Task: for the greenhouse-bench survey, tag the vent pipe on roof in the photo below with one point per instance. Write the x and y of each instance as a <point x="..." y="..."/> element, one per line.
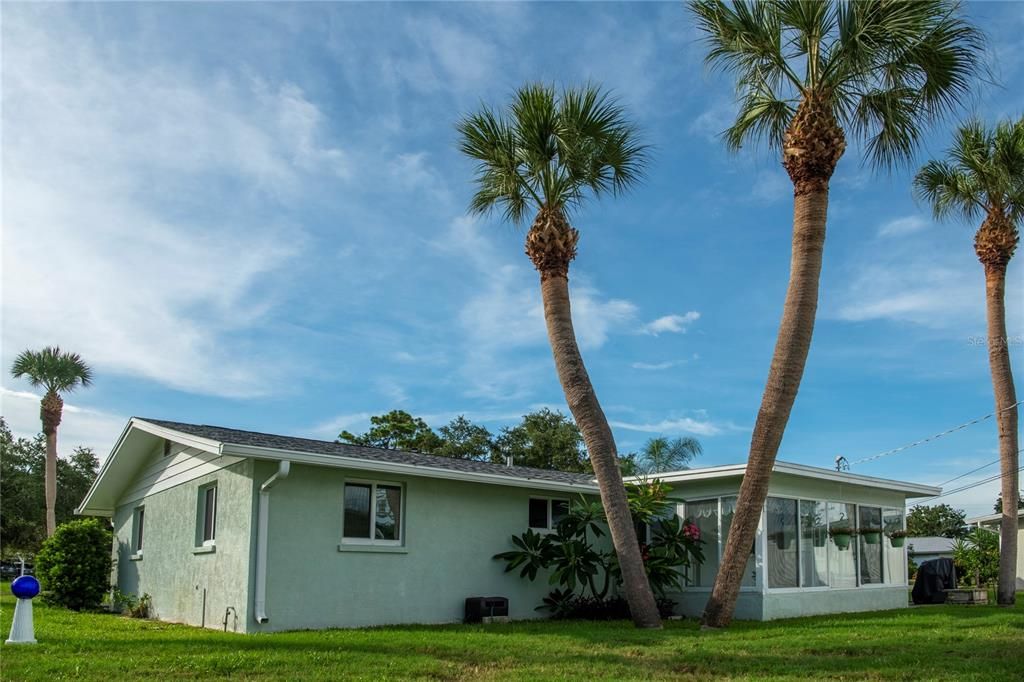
<point x="263" y="519"/>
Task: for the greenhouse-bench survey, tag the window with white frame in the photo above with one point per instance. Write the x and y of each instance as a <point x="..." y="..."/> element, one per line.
<point x="373" y="513"/>
<point x="546" y="512"/>
<point x="138" y="526"/>
<point x="895" y="557"/>
<point x="207" y="534"/>
<point x="813" y="542"/>
<point x="704" y="514"/>
<point x="842" y="563"/>
<point x="782" y="558"/>
<point x="870" y="539"/>
<point x="728" y="511"/>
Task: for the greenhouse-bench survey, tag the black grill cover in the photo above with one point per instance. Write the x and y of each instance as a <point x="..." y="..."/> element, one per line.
<point x="932" y="578"/>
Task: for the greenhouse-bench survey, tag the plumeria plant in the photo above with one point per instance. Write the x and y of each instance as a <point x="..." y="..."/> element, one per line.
<point x="583" y="574"/>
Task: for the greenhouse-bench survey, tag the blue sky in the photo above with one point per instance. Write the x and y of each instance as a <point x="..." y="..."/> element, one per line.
<point x="254" y="216"/>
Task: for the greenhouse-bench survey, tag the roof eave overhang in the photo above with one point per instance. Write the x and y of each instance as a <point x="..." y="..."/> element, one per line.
<point x="342" y="462"/>
<point x="89" y="507"/>
<point x="909" y="490"/>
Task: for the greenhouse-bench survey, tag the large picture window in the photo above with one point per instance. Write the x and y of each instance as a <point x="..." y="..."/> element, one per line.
<point x="782" y="556"/>
<point x="372" y="513"/>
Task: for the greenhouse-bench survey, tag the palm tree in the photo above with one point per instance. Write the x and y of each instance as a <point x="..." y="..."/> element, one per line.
<point x="983" y="175"/>
<point x="547" y="153"/>
<point x="58" y="372"/>
<point x="661" y="454"/>
<point x="808" y="73"/>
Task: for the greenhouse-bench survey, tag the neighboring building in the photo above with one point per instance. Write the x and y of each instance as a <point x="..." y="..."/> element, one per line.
<point x="993" y="522"/>
<point x="263" y="532"/>
<point x="927" y="547"/>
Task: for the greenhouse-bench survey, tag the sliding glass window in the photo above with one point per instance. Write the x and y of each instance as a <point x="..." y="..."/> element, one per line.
<point x="813" y="544"/>
<point x="782" y="559"/>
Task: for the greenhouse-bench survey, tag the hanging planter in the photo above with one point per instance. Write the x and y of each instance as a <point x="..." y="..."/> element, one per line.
<point x="783" y="541"/>
<point x="872" y="534"/>
<point x="841" y="537"/>
<point x="897" y="538"/>
<point x="818" y="539"/>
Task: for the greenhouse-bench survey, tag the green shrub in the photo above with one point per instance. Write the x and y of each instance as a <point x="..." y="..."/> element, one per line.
<point x="73" y="565"/>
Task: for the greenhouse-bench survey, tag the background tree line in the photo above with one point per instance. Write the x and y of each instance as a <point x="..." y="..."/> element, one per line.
<point x="544" y="439"/>
<point x="22" y="462"/>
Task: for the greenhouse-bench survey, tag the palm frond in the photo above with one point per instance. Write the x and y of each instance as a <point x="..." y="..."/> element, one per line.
<point x="983" y="171"/>
<point x="53" y="369"/>
<point x="551" y="149"/>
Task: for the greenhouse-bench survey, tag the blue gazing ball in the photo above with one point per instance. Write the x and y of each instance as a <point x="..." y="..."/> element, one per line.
<point x="25" y="587"/>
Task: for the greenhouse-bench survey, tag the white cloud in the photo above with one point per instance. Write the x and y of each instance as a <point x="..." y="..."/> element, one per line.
<point x="653" y="366"/>
<point x="670" y="324"/>
<point x="713" y="120"/>
<point x="505" y="315"/>
<point x="155" y="261"/>
<point x="79" y="425"/>
<point x="672" y="426"/>
<point x="902" y="226"/>
<point x="771" y="186"/>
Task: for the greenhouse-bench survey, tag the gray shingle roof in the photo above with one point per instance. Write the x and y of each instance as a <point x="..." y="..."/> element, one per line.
<point x="325" y="447"/>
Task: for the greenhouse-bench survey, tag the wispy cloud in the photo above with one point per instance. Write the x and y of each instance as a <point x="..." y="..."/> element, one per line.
<point x="770" y="187"/>
<point x="80" y="425"/>
<point x="674" y="426"/>
<point x="902" y="226"/>
<point x="670" y="324"/>
<point x="653" y="366"/>
<point x="104" y="184"/>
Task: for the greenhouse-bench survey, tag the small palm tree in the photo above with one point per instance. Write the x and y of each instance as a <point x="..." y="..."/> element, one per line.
<point x="546" y="154"/>
<point x="809" y="72"/>
<point x="662" y="454"/>
<point x="983" y="176"/>
<point x="58" y="372"/>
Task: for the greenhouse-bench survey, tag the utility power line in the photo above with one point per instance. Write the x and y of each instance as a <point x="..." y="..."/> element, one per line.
<point x="936" y="436"/>
<point x="983" y="466"/>
<point x="969" y="486"/>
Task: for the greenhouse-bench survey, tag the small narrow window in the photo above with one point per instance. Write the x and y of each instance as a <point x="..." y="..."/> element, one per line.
<point x="138" y="526"/>
<point x="167" y="447"/>
<point x="209" y="504"/>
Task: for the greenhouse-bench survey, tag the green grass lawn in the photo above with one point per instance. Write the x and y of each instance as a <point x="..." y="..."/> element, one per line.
<point x="925" y="643"/>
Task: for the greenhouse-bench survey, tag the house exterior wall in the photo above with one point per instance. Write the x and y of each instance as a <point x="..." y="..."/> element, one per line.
<point x="174" y="568"/>
<point x="452" y="529"/>
<point x="759" y="602"/>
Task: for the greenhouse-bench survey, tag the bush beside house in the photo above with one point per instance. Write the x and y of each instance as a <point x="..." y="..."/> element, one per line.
<point x="74" y="565"/>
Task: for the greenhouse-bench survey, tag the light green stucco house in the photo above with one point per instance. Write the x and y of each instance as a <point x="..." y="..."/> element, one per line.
<point x="254" y="532"/>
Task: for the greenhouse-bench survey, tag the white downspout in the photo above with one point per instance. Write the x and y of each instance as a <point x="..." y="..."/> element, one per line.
<point x="283" y="468"/>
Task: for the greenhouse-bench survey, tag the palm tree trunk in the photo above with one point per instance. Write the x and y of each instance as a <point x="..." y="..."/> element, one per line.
<point x="1006" y="419"/>
<point x="586" y="410"/>
<point x="787" y="368"/>
<point x="50" y="412"/>
<point x="50" y="482"/>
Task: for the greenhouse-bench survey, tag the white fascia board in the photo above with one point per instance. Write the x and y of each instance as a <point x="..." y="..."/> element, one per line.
<point x="802" y="470"/>
<point x="85" y="508"/>
<point x="992" y="517"/>
<point x="211" y="446"/>
<point x="342" y="462"/>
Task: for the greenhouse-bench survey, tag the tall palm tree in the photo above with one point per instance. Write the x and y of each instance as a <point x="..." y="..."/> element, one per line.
<point x="983" y="175"/>
<point x="662" y="454"/>
<point x="809" y="72"/>
<point x="547" y="153"/>
<point x="58" y="372"/>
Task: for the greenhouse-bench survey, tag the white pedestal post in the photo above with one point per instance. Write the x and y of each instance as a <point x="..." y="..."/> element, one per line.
<point x="22" y="631"/>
